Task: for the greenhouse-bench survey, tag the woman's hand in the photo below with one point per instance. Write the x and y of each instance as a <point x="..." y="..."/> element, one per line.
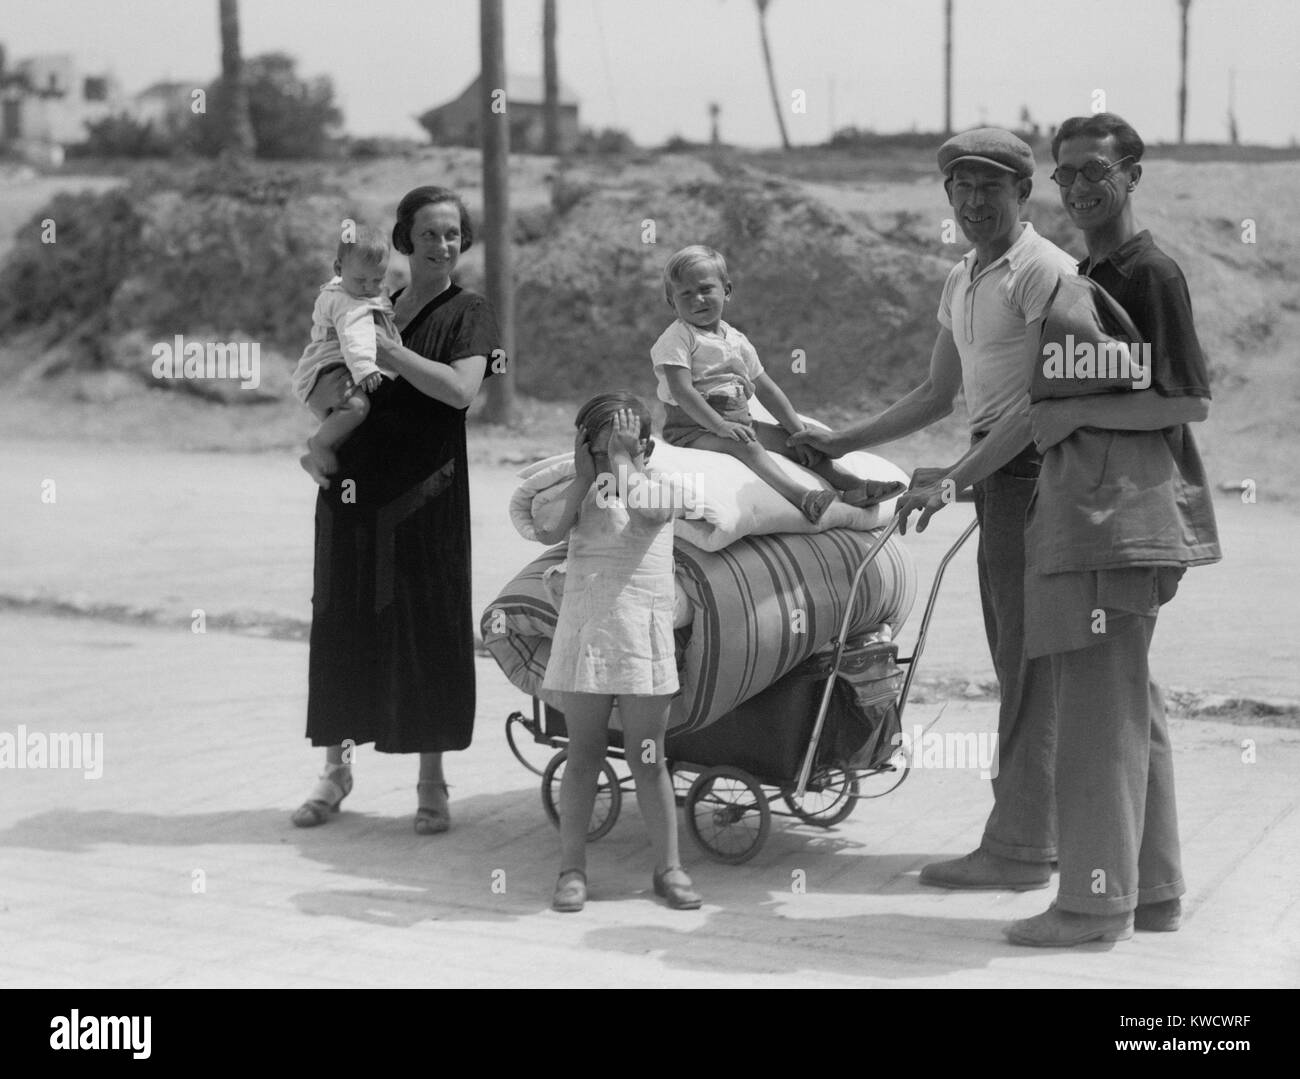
<point x="333" y="388"/>
<point x="1052" y="421"/>
<point x="583" y="463"/>
<point x="626" y="433"/>
<point x="387" y="345"/>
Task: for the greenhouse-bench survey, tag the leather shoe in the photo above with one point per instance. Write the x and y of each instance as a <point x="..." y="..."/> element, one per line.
<point x="981" y="870"/>
<point x="570" y="891"/>
<point x="1064" y="929"/>
<point x="1163" y="917"/>
<point x="679" y="890"/>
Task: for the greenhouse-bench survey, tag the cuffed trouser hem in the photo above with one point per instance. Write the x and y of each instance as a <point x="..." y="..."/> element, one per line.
<point x="1102" y="904"/>
<point x="1096" y="904"/>
<point x="1162" y="893"/>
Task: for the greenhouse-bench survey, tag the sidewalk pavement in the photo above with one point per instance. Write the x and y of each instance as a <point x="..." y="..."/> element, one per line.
<point x="179" y="867"/>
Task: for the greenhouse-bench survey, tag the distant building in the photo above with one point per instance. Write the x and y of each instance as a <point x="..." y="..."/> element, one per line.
<point x="46" y="102"/>
<point x="167" y="106"/>
<point x="457" y="122"/>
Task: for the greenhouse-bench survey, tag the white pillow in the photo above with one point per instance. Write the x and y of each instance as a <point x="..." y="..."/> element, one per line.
<point x="723" y="498"/>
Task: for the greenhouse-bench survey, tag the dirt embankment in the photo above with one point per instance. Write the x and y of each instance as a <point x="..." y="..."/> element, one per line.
<point x="837" y="281"/>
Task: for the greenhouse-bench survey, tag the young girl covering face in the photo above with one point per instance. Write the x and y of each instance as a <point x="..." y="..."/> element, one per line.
<point x="614" y="637"/>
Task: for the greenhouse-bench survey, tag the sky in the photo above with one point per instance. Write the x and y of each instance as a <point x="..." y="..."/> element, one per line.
<point x="652" y="67"/>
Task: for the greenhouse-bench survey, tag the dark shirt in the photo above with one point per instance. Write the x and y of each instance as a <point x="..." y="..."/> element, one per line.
<point x="1112" y="498"/>
<point x="1148" y="284"/>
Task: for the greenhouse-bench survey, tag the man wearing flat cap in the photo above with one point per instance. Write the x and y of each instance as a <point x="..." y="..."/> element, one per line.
<point x="990" y="300"/>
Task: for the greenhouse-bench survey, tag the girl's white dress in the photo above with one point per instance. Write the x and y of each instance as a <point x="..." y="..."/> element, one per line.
<point x="615" y="629"/>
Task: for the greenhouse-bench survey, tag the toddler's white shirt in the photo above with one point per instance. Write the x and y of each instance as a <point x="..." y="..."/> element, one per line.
<point x="720" y="363"/>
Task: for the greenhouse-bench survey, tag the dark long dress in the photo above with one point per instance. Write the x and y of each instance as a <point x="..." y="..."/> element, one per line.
<point x="392" y="636"/>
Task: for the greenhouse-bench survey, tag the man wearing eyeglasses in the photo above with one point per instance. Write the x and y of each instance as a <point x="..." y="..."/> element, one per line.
<point x="1123" y="508"/>
<point x="990" y="301"/>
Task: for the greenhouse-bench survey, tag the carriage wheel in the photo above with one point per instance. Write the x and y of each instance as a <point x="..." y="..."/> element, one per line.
<point x="831" y="795"/>
<point x="525" y="737"/>
<point x="889" y="777"/>
<point x="727" y="814"/>
<point x="609" y="796"/>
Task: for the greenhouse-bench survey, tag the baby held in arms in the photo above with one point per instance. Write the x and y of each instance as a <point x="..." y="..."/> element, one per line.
<point x="349" y="308"/>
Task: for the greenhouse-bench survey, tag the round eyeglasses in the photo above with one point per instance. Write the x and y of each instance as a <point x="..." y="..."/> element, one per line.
<point x="1094" y="171"/>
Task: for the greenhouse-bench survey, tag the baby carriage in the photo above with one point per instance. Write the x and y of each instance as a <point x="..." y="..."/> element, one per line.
<point x="819" y="738"/>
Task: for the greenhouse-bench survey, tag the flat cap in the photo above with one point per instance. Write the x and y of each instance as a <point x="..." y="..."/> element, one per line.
<point x="987" y="146"/>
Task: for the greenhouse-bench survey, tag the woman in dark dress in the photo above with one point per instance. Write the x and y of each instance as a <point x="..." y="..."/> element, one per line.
<point x="392" y="638"/>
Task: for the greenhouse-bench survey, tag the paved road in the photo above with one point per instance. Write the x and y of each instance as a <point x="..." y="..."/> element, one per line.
<point x="230" y="534"/>
<point x="178" y="865"/>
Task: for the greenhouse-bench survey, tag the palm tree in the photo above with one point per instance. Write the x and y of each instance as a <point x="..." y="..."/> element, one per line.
<point x="1182" y="84"/>
<point x="237" y="127"/>
<point x="771" y="75"/>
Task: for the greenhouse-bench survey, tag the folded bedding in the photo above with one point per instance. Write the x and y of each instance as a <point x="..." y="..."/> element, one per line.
<point x="724" y="500"/>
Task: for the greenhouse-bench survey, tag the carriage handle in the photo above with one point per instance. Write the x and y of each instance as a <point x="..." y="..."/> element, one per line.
<point x="841" y="640"/>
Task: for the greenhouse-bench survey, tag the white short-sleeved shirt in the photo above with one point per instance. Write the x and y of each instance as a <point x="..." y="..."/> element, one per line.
<point x="720" y="363"/>
<point x="987" y="315"/>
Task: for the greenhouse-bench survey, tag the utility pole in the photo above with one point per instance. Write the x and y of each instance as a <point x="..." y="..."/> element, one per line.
<point x="947" y="67"/>
<point x="1182" y="84"/>
<point x="551" y="77"/>
<point x="237" y="126"/>
<point x="1233" y="135"/>
<point x="495" y="124"/>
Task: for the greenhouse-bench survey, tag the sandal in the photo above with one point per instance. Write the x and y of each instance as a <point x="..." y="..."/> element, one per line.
<point x="570" y="891"/>
<point x="680" y="892"/>
<point x="334" y="784"/>
<point x="431" y="819"/>
<point x="814" y="503"/>
<point x="874" y="492"/>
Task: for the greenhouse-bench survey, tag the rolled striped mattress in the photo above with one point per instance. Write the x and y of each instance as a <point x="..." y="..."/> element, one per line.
<point x="752" y="612"/>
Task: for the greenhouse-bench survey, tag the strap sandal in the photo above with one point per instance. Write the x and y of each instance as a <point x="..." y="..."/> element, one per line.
<point x="432" y="817"/>
<point x="334" y="784"/>
<point x="814" y="503"/>
<point x="874" y="492"/>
